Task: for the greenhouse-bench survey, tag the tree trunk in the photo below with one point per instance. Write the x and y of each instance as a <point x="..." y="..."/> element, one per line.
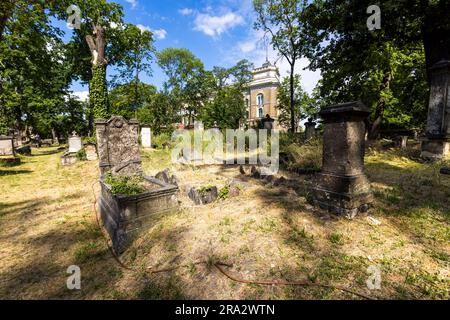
<point x="292" y="102"/>
<point x="381" y="106"/>
<point x="98" y="91"/>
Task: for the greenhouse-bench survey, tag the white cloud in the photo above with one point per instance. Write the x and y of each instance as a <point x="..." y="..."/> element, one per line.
<point x="214" y="26"/>
<point x="247" y="46"/>
<point x="133" y="3"/>
<point x="185" y="11"/>
<point x="81" y="95"/>
<point x="143" y="28"/>
<point x="159" y="33"/>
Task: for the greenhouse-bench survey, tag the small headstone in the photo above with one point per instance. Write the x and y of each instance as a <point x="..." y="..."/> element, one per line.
<point x="6" y="146"/>
<point x="203" y="196"/>
<point x="167" y="177"/>
<point x="75" y="144"/>
<point x="403" y="142"/>
<point x="255" y="172"/>
<point x="146" y="137"/>
<point x="91" y="151"/>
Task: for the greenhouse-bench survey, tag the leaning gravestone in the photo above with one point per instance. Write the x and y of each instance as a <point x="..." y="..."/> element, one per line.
<point x="146" y="137"/>
<point x="124" y="216"/>
<point x="342" y="186"/>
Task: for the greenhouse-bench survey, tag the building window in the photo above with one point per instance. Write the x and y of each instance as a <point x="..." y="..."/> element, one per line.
<point x="260" y="101"/>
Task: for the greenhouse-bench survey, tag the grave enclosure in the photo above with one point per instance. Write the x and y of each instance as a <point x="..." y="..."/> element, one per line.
<point x="124" y="217"/>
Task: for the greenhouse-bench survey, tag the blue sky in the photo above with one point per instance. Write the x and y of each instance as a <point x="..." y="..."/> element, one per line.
<point x="219" y="32"/>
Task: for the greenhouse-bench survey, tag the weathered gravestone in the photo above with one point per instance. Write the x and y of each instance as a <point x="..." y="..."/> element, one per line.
<point x="146" y="137"/>
<point x="310" y="129"/>
<point x="7" y="153"/>
<point x="125" y="216"/>
<point x="91" y="151"/>
<point x="75" y="144"/>
<point x="6" y="146"/>
<point x="403" y="142"/>
<point x="342" y="186"/>
<point x="437" y="142"/>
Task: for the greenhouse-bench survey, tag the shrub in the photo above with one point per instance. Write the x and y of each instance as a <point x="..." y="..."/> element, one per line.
<point x="223" y="192"/>
<point x="306" y="156"/>
<point x="81" y="155"/>
<point x="162" y="140"/>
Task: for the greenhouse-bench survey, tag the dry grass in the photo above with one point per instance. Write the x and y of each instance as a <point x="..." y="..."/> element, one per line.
<point x="266" y="232"/>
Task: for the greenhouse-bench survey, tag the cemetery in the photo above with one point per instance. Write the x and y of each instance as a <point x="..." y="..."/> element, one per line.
<point x="244" y="180"/>
<point x="384" y="209"/>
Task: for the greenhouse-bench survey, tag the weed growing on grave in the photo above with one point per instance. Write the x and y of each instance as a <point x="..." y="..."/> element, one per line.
<point x="125" y="185"/>
<point x="81" y="155"/>
<point x="223" y="192"/>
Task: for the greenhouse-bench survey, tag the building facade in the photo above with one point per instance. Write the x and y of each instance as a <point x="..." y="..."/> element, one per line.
<point x="261" y="96"/>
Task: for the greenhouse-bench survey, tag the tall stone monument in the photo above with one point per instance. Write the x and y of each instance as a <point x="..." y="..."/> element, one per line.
<point x="146" y="137"/>
<point x="310" y="129"/>
<point x="437" y="142"/>
<point x="342" y="186"/>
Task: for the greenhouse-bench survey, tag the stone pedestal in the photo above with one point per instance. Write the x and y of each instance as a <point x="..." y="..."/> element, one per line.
<point x="310" y="129"/>
<point x="437" y="142"/>
<point x="342" y="186"/>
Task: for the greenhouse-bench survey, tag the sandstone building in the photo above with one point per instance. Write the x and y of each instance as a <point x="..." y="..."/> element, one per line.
<point x="261" y="95"/>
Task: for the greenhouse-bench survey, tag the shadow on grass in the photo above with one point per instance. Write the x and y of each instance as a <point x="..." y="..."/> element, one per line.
<point x="13" y="172"/>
